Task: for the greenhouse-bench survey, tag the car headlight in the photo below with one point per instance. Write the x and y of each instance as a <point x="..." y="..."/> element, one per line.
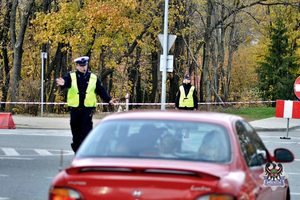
<point x="216" y="197"/>
<point x="64" y="194"/>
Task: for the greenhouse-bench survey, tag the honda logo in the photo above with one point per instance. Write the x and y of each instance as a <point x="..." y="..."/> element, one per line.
<point x="137" y="193"/>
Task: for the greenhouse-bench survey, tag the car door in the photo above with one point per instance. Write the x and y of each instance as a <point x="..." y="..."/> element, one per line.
<point x="256" y="157"/>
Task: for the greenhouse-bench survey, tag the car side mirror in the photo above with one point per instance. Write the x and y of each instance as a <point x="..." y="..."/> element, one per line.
<point x="283" y="155"/>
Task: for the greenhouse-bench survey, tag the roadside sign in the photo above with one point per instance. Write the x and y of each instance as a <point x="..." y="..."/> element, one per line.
<point x="171" y="40"/>
<point x="170" y="60"/>
<point x="297" y="87"/>
<point x="44" y="55"/>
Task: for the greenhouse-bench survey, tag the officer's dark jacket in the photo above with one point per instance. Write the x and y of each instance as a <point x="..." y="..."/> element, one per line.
<point x="82" y="83"/>
<point x="186" y="89"/>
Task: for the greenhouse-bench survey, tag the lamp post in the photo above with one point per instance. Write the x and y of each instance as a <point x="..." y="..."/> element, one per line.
<point x="43" y="57"/>
<point x="165" y="57"/>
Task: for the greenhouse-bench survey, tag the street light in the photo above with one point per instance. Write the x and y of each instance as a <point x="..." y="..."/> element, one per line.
<point x="165" y="57"/>
<point x="43" y="57"/>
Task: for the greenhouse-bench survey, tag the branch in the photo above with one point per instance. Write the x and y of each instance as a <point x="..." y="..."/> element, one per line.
<point x="253" y="17"/>
<point x="139" y="37"/>
<point x="296" y="4"/>
<point x="188" y="47"/>
<point x="243" y="6"/>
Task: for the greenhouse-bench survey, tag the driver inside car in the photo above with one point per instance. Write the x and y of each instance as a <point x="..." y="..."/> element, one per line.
<point x="168" y="145"/>
<point x="211" y="148"/>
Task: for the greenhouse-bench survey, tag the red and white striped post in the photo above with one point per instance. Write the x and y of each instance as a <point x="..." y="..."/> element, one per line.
<point x="287" y="109"/>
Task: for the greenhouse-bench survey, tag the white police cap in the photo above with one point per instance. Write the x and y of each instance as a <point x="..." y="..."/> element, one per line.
<point x="82" y="60"/>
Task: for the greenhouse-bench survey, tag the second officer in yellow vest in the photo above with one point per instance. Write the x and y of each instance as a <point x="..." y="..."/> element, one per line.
<point x="186" y="97"/>
<point x="83" y="86"/>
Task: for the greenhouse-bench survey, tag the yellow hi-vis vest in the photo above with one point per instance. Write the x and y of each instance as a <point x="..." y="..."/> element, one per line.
<point x="186" y="101"/>
<point x="90" y="96"/>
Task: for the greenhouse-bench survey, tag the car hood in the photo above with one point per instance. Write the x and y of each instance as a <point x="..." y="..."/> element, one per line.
<point x="143" y="179"/>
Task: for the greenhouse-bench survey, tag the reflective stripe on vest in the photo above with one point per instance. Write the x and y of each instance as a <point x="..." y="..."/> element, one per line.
<point x="73" y="92"/>
<point x="186" y="101"/>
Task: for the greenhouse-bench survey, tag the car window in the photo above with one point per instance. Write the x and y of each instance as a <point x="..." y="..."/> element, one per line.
<point x="158" y="139"/>
<point x="252" y="147"/>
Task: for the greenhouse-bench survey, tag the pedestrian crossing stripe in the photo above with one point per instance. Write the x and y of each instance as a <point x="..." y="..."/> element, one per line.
<point x="17" y="152"/>
<point x="43" y="152"/>
<point x="10" y="152"/>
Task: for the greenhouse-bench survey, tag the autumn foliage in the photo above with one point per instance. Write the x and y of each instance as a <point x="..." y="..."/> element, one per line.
<point x="220" y="43"/>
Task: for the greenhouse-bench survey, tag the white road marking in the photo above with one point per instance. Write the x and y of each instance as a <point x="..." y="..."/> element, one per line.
<point x="10" y="152"/>
<point x="295" y="193"/>
<point x="14" y="158"/>
<point x="30" y="152"/>
<point x="272" y="136"/>
<point x="4" y="198"/>
<point x="3" y="175"/>
<point x="39" y="134"/>
<point x="43" y="152"/>
<point x="293" y="173"/>
<point x="283" y="142"/>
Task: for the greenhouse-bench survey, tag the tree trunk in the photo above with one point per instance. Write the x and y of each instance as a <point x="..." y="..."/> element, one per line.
<point x="205" y="82"/>
<point x="138" y="76"/>
<point x="46" y="6"/>
<point x="131" y="79"/>
<point x="55" y="66"/>
<point x="214" y="61"/>
<point x="232" y="47"/>
<point x="221" y="50"/>
<point x="180" y="68"/>
<point x="18" y="43"/>
<point x="4" y="46"/>
<point x="154" y="66"/>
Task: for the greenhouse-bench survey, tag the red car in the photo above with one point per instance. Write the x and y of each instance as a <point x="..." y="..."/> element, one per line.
<point x="173" y="155"/>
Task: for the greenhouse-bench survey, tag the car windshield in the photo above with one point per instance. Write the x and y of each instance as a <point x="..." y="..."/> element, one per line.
<point x="161" y="139"/>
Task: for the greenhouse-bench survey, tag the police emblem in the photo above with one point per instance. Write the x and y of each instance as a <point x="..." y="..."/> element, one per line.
<point x="273" y="175"/>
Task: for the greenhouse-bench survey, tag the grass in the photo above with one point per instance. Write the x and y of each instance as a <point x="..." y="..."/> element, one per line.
<point x="254" y="113"/>
<point x="249" y="113"/>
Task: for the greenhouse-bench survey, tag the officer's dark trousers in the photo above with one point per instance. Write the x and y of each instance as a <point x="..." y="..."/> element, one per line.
<point x="81" y="124"/>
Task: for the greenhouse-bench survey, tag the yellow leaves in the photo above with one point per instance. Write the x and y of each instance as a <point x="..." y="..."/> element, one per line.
<point x="98" y="22"/>
<point x="132" y="4"/>
<point x="56" y="27"/>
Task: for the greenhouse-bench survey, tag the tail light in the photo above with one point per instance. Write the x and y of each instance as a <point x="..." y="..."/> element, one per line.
<point x="64" y="194"/>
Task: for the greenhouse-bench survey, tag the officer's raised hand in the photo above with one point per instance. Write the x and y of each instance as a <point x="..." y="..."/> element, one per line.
<point x="112" y="102"/>
<point x="60" y="81"/>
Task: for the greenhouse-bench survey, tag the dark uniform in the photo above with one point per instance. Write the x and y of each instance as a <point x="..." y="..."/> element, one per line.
<point x="81" y="116"/>
<point x="186" y="87"/>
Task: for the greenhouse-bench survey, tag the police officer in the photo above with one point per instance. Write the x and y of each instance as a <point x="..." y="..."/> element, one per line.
<point x="186" y="97"/>
<point x="83" y="86"/>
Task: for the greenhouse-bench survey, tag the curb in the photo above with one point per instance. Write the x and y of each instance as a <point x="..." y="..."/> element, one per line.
<point x="41" y="128"/>
<point x="275" y="129"/>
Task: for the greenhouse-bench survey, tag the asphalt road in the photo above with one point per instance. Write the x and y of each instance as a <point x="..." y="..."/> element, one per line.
<point x="30" y="158"/>
<point x="272" y="140"/>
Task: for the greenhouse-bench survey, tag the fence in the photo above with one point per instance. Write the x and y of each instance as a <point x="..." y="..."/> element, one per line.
<point x="35" y="108"/>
